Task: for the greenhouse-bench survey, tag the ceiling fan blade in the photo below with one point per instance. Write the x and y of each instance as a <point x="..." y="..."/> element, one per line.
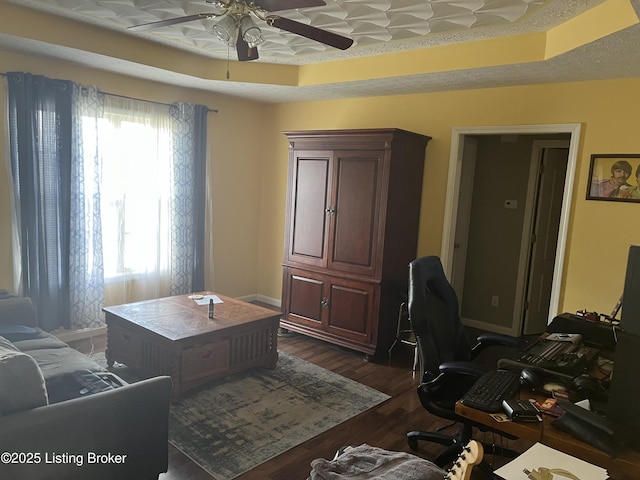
<point x="276" y="5"/>
<point x="307" y="31"/>
<point x="171" y="21"/>
<point x="245" y="52"/>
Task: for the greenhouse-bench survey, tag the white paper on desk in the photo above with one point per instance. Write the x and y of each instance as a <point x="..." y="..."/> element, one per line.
<point x="205" y="300"/>
<point x="540" y="455"/>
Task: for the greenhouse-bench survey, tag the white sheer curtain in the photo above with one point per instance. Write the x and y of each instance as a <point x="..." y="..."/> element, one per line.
<point x="136" y="151"/>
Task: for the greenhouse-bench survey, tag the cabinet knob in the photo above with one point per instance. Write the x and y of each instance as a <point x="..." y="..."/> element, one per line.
<point x="330" y="211"/>
<point x="325" y="303"/>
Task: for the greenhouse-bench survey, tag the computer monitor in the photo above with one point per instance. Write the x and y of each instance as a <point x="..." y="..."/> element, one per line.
<point x="630" y="317"/>
<point x="624" y="392"/>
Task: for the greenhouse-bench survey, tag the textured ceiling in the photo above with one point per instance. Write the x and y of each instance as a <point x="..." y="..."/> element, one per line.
<point x="377" y="27"/>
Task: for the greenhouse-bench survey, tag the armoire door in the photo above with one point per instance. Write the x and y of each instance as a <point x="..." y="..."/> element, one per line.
<point x="308" y="207"/>
<point x="305" y="297"/>
<point x="334" y="305"/>
<point x="356" y="194"/>
<point x="351" y="307"/>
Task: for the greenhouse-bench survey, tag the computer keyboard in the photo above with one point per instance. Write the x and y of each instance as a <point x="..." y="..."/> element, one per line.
<point x="491" y="389"/>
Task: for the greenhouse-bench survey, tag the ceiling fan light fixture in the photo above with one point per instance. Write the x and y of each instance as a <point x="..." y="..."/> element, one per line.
<point x="226" y="30"/>
<point x="250" y="31"/>
<point x="235" y="25"/>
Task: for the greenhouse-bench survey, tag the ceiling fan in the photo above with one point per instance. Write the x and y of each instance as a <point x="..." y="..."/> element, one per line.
<point x="236" y="26"/>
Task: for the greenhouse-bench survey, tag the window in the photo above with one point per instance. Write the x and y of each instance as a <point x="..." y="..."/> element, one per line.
<point x="136" y="163"/>
<point x="111" y="190"/>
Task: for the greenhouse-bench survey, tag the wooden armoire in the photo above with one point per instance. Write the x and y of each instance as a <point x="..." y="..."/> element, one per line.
<point x="353" y="207"/>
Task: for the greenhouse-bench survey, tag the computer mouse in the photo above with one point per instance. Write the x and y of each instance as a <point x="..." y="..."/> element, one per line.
<point x="532" y="379"/>
<point x="588" y="387"/>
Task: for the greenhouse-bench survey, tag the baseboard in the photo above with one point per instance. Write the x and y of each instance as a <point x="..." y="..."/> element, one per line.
<point x="248" y="298"/>
<point x="262" y="299"/>
<point x="489" y="327"/>
<point x="276" y="302"/>
<point x="81" y="334"/>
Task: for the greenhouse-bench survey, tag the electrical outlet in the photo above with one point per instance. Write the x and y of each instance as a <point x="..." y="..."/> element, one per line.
<point x="495" y="301"/>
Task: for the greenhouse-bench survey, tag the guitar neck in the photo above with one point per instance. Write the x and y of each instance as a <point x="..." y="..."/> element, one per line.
<point x="470" y="456"/>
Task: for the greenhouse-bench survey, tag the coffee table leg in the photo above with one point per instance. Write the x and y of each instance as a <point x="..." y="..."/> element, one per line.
<point x="274" y="361"/>
<point x="110" y="360"/>
<point x="274" y="342"/>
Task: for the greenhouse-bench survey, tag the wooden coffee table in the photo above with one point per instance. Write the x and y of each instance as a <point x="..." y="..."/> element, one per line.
<point x="174" y="336"/>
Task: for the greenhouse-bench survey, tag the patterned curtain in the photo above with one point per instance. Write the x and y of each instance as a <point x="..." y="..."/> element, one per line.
<point x="40" y="129"/>
<point x="86" y="267"/>
<point x="188" y="200"/>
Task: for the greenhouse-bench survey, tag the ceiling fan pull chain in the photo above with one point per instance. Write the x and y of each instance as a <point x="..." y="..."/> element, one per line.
<point x="228" y="61"/>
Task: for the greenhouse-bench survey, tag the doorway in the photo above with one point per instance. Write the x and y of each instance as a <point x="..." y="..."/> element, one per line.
<point x="456" y="227"/>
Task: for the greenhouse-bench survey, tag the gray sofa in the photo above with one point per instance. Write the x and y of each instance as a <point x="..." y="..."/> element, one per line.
<point x="121" y="433"/>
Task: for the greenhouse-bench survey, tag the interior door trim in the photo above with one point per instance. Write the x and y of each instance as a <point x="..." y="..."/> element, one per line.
<point x="453" y="184"/>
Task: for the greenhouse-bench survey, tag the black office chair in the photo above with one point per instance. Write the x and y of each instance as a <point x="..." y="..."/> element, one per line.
<point x="446" y="367"/>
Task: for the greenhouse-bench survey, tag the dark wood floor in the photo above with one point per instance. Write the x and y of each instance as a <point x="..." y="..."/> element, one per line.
<point x="383" y="426"/>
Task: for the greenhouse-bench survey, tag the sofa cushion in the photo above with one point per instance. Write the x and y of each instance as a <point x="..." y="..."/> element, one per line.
<point x="62" y="361"/>
<point x="40" y="341"/>
<point x="14" y="332"/>
<point x="18" y="311"/>
<point x="22" y="381"/>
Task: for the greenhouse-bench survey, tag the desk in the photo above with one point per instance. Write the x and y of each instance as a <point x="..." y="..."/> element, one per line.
<point x="626" y="466"/>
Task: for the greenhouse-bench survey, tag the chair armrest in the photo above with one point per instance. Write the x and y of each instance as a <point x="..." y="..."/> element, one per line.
<point x="450" y="370"/>
<point x="494" y="339"/>
<point x="461" y="368"/>
<point x="18" y="311"/>
<point x="129" y="423"/>
<point x="439" y="395"/>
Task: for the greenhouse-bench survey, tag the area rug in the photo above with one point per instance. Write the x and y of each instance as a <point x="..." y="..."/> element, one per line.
<point x="234" y="424"/>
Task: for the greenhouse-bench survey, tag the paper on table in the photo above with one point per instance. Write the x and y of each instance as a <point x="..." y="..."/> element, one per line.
<point x="205" y="299"/>
<point x="540" y="455"/>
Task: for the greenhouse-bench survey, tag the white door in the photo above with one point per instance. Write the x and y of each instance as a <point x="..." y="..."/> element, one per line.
<point x="465" y="196"/>
<point x="544" y="240"/>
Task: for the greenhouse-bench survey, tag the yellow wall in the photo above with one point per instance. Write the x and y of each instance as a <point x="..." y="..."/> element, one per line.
<point x="599" y="232"/>
<point x="249" y="164"/>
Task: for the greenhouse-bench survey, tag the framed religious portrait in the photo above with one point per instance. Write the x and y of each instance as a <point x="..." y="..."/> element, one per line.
<point x="614" y="177"/>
